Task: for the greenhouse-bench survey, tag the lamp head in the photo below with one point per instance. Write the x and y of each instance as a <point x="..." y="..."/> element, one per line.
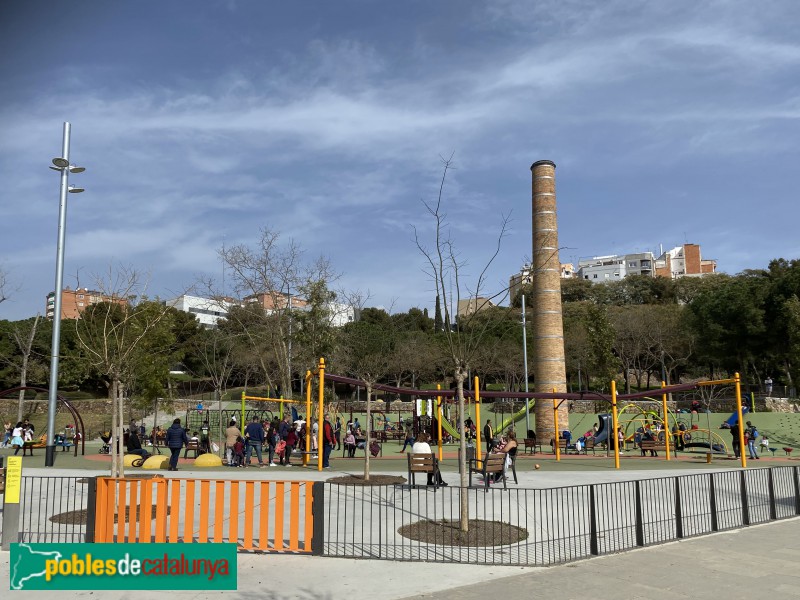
<point x="75" y="190"/>
<point x="74" y="169"/>
<point x="61" y="163"/>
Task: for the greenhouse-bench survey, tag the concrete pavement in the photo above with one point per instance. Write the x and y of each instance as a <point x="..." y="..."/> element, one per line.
<point x="756" y="562"/>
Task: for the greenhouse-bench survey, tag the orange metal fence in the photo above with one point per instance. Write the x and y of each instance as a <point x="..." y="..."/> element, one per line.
<point x="271" y="516"/>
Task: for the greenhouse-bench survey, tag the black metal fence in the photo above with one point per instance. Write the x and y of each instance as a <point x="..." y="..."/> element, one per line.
<point x="562" y="524"/>
<point x="51" y="509"/>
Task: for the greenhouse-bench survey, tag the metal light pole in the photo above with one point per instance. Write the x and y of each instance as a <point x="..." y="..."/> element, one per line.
<point x="525" y="359"/>
<point x="59" y="164"/>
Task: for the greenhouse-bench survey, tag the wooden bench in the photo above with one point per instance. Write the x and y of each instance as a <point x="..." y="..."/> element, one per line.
<point x="193" y="446"/>
<point x="563" y="446"/>
<point x="588" y="444"/>
<point x="532" y="444"/>
<point x="492" y="464"/>
<point x="423" y="463"/>
<point x="365" y="449"/>
<point x="656" y="445"/>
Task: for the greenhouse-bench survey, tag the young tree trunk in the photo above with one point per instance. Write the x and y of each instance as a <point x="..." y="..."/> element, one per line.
<point x="368" y="430"/>
<point x="112" y="430"/>
<point x="462" y="453"/>
<point x="221" y="424"/>
<point x="118" y="436"/>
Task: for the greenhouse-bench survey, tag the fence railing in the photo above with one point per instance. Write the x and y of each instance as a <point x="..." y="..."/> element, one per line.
<point x="562" y="524"/>
<point x="51" y="509"/>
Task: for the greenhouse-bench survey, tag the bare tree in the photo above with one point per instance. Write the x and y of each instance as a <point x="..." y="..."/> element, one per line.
<point x="4" y="285"/>
<point x="23" y="335"/>
<point x="462" y="334"/>
<point x="215" y="350"/>
<point x="364" y="352"/>
<point x="266" y="276"/>
<point x="114" y="334"/>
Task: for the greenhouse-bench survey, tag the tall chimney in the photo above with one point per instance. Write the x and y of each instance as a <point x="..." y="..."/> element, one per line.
<point x="548" y="326"/>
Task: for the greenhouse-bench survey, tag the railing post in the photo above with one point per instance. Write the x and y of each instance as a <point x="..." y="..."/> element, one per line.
<point x="639" y="525"/>
<point x="593" y="546"/>
<point x="745" y="504"/>
<point x="318" y="513"/>
<point x="678" y="510"/>
<point x="796" y="490"/>
<point x="773" y="513"/>
<point x="91" y="508"/>
<point x="712" y="503"/>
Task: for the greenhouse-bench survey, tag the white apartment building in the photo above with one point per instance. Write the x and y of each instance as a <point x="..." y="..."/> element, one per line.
<point x="602" y="269"/>
<point x="207" y="311"/>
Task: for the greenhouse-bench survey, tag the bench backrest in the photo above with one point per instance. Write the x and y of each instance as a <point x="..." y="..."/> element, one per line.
<point x="651" y="444"/>
<point x="421" y="463"/>
<point x="494" y="463"/>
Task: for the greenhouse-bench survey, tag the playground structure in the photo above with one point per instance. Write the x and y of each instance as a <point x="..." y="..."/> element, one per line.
<point x="80" y="433"/>
<point x="557" y="398"/>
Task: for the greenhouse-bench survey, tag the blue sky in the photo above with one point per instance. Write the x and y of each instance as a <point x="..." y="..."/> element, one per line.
<point x="201" y="122"/>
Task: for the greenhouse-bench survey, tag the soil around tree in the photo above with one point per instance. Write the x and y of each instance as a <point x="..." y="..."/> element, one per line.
<point x="80" y="517"/>
<point x="448" y="533"/>
<point x="373" y="480"/>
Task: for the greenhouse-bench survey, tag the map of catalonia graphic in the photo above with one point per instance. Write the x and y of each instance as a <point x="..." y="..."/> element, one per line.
<point x="30" y="564"/>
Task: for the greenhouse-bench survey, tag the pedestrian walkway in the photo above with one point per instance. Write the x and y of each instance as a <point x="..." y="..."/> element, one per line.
<point x="755" y="562"/>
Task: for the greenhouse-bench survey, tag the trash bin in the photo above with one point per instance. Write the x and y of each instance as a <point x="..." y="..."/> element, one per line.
<point x="470" y="452"/>
<point x="708" y="457"/>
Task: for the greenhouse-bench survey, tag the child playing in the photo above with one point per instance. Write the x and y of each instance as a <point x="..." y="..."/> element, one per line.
<point x="764" y="444"/>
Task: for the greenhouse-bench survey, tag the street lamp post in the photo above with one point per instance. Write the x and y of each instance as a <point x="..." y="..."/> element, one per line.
<point x="62" y="165"/>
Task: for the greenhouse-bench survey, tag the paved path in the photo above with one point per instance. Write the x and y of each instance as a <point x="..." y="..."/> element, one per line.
<point x="756" y="562"/>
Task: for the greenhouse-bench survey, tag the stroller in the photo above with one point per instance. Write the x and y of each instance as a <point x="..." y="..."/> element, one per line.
<point x="106" y="447"/>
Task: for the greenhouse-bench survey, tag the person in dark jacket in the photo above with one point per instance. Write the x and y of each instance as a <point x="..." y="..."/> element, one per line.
<point x="135" y="446"/>
<point x="255" y="435"/>
<point x="176" y="439"/>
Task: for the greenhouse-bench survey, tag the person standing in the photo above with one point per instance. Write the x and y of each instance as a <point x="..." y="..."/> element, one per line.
<point x="205" y="439"/>
<point x="768" y="385"/>
<point x="735" y="441"/>
<point x="232" y="434"/>
<point x="752" y="436"/>
<point x="254" y="434"/>
<point x="337" y="433"/>
<point x="488" y="435"/>
<point x="328" y="442"/>
<point x="176" y="439"/>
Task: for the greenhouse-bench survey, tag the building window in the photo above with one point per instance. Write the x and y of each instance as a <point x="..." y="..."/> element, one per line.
<point x="616" y="274"/>
<point x="80" y="296"/>
<point x="594" y="276"/>
<point x="80" y="303"/>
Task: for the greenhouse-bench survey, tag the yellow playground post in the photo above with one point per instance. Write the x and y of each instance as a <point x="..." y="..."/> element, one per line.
<point x="615" y="422"/>
<point x="479" y="464"/>
<point x="321" y="396"/>
<point x="557" y="439"/>
<point x="439" y="418"/>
